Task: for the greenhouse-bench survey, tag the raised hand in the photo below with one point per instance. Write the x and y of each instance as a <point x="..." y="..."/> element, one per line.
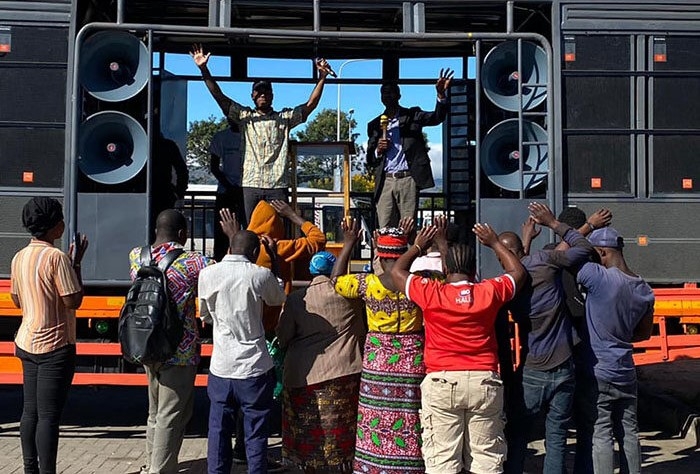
<point x="324" y="69"/>
<point x="270" y="245"/>
<point x="425" y="236"/>
<point x="229" y="223"/>
<point x="486" y="235"/>
<point x="407" y="225"/>
<point x="282" y="208"/>
<point x="352" y="231"/>
<point x="443" y="82"/>
<point x="600" y="218"/>
<point x="542" y="214"/>
<point x="197" y="52"/>
<point x="440" y="239"/>
<point x="77" y="248"/>
<point x="529" y="230"/>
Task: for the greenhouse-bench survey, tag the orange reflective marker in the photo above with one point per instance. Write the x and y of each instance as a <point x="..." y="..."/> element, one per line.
<point x="642" y="240"/>
<point x="659" y="58"/>
<point x="596" y="183"/>
<point x="28" y="177"/>
<point x="570" y="57"/>
<point x="687" y="183"/>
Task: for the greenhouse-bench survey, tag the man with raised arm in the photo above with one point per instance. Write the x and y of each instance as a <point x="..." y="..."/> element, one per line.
<point x="462" y="393"/>
<point x="397" y="151"/>
<point x="264" y="132"/>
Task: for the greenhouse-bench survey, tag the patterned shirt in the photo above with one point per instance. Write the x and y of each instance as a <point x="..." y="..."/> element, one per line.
<point x="182" y="286"/>
<point x="41" y="275"/>
<point x="265" y="144"/>
<point x="387" y="311"/>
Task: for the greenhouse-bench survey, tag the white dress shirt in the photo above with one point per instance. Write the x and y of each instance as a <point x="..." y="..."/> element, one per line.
<point x="231" y="295"/>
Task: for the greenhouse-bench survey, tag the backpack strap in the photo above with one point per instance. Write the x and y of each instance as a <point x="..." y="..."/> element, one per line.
<point x="146" y="258"/>
<point x="169" y="258"/>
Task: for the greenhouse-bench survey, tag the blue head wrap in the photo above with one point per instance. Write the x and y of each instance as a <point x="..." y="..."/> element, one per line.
<point x="322" y="263"/>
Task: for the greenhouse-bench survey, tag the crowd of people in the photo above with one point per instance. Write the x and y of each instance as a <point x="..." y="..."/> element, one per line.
<point x="406" y="368"/>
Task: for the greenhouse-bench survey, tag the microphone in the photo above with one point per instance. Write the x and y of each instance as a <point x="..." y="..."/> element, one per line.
<point x="328" y="68"/>
<point x="384" y="124"/>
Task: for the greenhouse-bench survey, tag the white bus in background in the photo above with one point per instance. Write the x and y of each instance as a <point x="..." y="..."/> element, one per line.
<point x="315" y="205"/>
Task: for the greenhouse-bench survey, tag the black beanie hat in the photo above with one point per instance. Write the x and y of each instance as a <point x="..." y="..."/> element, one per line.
<point x="41" y="214"/>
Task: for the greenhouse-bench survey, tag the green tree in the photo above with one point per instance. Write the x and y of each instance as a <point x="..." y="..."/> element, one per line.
<point x="199" y="135"/>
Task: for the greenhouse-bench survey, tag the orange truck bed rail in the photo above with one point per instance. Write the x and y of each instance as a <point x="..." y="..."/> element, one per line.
<point x="678" y="305"/>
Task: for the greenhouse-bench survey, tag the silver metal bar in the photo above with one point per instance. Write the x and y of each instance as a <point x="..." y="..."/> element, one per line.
<point x="509" y="17"/>
<point x="317" y="15"/>
<point x="120" y="11"/>
<point x="520" y="119"/>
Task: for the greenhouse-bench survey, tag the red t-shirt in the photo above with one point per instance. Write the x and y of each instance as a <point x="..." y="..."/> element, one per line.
<point x="459" y="321"/>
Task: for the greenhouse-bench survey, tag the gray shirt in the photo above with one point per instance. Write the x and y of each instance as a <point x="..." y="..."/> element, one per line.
<point x="232" y="294"/>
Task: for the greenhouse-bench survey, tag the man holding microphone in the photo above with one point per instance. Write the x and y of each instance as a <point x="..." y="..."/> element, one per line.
<point x="399" y="154"/>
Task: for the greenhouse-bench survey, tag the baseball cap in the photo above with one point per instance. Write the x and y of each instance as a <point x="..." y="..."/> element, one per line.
<point x="262" y="86"/>
<point x="606" y="237"/>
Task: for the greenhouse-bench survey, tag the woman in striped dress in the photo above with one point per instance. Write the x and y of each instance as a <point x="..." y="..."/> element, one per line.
<point x="388" y="424"/>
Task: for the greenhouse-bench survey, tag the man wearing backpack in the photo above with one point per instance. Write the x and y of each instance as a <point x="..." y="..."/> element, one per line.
<point x="171" y="383"/>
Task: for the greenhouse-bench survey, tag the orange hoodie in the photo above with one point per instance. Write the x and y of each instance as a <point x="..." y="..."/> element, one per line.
<point x="265" y="220"/>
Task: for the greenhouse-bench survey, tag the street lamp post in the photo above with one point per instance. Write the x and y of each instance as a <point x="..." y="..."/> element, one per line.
<point x="336" y="174"/>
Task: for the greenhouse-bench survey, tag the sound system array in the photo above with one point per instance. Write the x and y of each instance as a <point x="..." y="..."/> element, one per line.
<point x="514" y="137"/>
<point x="113" y="150"/>
<point x="631" y="128"/>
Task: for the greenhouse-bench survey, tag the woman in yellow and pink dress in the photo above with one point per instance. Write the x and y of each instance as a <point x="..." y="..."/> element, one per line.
<point x="388" y="427"/>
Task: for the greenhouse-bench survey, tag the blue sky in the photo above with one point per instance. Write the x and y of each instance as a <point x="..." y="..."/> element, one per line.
<point x="364" y="99"/>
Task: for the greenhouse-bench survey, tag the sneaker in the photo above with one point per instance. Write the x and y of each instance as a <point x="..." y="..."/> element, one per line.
<point x="274" y="466"/>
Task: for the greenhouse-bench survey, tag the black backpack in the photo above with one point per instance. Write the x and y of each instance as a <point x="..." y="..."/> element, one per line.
<point x="150" y="328"/>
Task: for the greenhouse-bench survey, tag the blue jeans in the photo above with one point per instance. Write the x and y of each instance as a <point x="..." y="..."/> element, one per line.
<point x="254" y="397"/>
<point x="47" y="378"/>
<point x="617" y="418"/>
<point x="551" y="391"/>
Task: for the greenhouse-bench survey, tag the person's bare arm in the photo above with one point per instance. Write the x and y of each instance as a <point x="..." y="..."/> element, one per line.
<point x="600" y="218"/>
<point x="352" y="231"/>
<point x="510" y="263"/>
<point x="285" y="210"/>
<point x="315" y="97"/>
<point x="271" y="247"/>
<point x="529" y="232"/>
<point x="400" y="270"/>
<point x="229" y="223"/>
<point x="76" y="252"/>
<point x="200" y="60"/>
<point x="440" y="239"/>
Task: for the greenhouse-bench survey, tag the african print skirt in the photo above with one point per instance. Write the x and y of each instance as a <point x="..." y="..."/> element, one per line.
<point x="318" y="426"/>
<point x="388" y="424"/>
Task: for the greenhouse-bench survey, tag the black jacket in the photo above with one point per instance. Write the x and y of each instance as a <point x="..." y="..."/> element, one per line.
<point x="411" y="123"/>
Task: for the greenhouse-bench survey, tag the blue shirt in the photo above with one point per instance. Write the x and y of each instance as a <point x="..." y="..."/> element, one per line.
<point x="226" y="144"/>
<point x="395" y="156"/>
<point x="540" y="307"/>
<point x="615" y="304"/>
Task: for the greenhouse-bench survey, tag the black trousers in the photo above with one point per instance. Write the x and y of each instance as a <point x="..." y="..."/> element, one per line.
<point x="47" y="378"/>
<point x="231" y="199"/>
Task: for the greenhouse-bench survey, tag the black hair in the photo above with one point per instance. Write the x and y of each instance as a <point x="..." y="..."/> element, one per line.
<point x="460" y="258"/>
<point x="572" y="216"/>
<point x="41" y="214"/>
<point x="245" y="243"/>
<point x="170" y="222"/>
<point x="393" y="85"/>
<point x="262" y="86"/>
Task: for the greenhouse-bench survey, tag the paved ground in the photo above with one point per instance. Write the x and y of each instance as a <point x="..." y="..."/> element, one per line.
<point x="103" y="432"/>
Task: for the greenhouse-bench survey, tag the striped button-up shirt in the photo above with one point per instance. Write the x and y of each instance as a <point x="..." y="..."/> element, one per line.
<point x="265" y="144"/>
<point x="41" y="275"/>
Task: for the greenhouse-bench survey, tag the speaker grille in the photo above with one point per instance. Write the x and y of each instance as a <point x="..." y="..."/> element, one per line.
<point x="37" y="44"/>
<point x="610" y="53"/>
<point x="597" y="102"/>
<point x="599" y="163"/>
<point x="676" y="102"/>
<point x="683" y="54"/>
<point x="675" y="164"/>
<point x="40" y="97"/>
<point x="36" y="150"/>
